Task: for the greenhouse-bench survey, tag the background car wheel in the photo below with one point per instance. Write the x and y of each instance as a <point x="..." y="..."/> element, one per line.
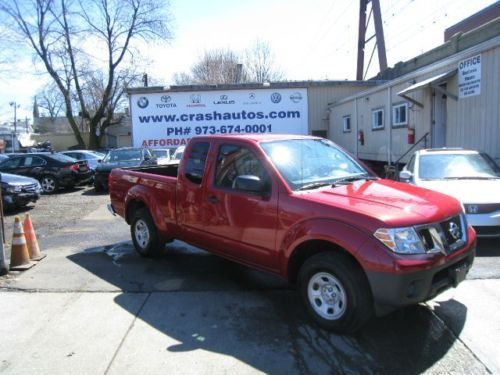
<point x="144" y="234"/>
<point x="49" y="184"/>
<point x="335" y="292"/>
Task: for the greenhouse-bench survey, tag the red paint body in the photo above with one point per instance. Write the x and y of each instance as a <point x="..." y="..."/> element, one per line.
<point x="264" y="232"/>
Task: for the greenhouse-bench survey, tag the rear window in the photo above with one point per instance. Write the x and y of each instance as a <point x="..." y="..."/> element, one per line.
<point x="123" y="155"/>
<point x="62" y="158"/>
<point x="195" y="164"/>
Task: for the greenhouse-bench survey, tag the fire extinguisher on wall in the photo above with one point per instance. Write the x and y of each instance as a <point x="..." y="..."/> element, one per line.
<point x="411" y="136"/>
<point x="361" y="137"/>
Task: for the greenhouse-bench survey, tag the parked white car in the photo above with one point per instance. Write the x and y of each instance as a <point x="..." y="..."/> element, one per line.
<point x="470" y="176"/>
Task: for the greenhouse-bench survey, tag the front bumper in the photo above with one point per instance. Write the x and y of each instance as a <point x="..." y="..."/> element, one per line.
<point x="21" y="199"/>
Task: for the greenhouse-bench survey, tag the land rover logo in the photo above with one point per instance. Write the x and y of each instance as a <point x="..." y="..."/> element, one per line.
<point x="166" y="98"/>
<point x="143" y="102"/>
<point x="276" y="97"/>
<point x="454" y="231"/>
<point x="296" y="97"/>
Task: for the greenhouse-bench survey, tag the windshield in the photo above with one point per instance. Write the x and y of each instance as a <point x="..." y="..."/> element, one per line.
<point x="311" y="162"/>
<point x="456" y="166"/>
<point x="122" y="155"/>
<point x="161" y="153"/>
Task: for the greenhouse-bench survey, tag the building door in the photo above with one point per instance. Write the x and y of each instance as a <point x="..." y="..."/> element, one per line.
<point x="438" y="120"/>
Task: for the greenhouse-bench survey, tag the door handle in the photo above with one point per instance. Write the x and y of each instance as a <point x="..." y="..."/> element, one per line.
<point x="213" y="199"/>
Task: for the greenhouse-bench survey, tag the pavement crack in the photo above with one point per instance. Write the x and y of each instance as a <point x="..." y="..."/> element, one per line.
<point x="139" y="311"/>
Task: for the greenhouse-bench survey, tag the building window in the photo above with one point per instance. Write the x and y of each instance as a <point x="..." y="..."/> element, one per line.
<point x="346" y="121"/>
<point x="377" y="118"/>
<point x="400" y="114"/>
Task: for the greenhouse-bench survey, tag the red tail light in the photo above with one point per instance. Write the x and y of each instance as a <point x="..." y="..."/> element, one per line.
<point x="73" y="167"/>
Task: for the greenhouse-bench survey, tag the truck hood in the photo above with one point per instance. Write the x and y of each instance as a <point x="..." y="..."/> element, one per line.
<point x="467" y="191"/>
<point x="386" y="202"/>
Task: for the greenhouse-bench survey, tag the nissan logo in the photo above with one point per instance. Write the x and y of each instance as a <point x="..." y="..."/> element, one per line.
<point x="454" y="231"/>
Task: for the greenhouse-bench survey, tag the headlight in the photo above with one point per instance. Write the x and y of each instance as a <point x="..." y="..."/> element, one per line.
<point x="401" y="240"/>
<point x="13" y="189"/>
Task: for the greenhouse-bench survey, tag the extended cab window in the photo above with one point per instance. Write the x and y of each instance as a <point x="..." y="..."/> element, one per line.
<point x="234" y="161"/>
<point x="195" y="164"/>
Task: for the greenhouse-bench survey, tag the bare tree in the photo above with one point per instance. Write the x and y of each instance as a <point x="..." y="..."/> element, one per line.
<point x="67" y="35"/>
<point x="260" y="64"/>
<point x="50" y="101"/>
<point x="219" y="66"/>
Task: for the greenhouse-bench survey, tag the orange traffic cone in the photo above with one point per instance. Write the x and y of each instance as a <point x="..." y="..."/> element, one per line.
<point x="31" y="241"/>
<point x="19" y="257"/>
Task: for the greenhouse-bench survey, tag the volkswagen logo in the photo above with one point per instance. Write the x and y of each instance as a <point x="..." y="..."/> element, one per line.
<point x="276" y="97"/>
<point x="143" y="102"/>
<point x="166" y="98"/>
<point x="454" y="231"/>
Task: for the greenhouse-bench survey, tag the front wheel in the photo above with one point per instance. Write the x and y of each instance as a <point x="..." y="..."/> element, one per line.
<point x="145" y="237"/>
<point x="49" y="184"/>
<point x="335" y="292"/>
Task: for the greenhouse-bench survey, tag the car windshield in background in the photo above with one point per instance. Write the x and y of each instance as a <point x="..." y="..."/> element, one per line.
<point x="161" y="153"/>
<point x="122" y="155"/>
<point x="311" y="163"/>
<point x="456" y="166"/>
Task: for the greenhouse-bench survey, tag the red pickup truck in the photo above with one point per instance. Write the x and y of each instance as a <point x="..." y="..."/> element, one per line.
<point x="303" y="208"/>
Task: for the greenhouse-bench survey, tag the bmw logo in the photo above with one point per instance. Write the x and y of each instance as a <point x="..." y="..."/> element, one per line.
<point x="143" y="102"/>
<point x="276" y="97"/>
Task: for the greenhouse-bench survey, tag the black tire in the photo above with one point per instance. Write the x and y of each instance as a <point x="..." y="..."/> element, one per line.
<point x="144" y="234"/>
<point x="97" y="186"/>
<point x="335" y="292"/>
<point x="49" y="184"/>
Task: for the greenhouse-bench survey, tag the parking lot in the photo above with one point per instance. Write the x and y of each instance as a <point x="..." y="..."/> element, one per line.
<point x="94" y="306"/>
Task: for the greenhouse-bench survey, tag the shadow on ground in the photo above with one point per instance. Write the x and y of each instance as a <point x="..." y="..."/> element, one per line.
<point x="199" y="301"/>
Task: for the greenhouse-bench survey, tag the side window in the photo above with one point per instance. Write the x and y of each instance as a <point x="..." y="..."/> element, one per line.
<point x="12" y="163"/>
<point x="234" y="161"/>
<point x="33" y="161"/>
<point x="195" y="164"/>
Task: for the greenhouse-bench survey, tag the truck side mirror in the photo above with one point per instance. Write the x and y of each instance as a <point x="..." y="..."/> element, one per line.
<point x="405" y="176"/>
<point x="249" y="183"/>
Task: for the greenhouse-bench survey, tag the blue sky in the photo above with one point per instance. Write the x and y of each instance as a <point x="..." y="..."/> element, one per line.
<point x="310" y="39"/>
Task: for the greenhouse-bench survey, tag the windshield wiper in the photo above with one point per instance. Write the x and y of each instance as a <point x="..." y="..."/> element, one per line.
<point x="353" y="178"/>
<point x="314" y="185"/>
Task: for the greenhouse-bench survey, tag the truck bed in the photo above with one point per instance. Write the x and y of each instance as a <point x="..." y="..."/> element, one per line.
<point x="160" y="170"/>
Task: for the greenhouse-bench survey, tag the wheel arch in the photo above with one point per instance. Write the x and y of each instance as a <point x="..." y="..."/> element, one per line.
<point x="309" y="248"/>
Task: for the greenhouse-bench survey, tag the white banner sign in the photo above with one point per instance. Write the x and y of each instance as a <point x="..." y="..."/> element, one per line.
<point x="469" y="77"/>
<point x="170" y="119"/>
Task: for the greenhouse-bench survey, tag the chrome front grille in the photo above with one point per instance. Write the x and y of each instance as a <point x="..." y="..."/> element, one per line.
<point x="32" y="188"/>
<point x="446" y="236"/>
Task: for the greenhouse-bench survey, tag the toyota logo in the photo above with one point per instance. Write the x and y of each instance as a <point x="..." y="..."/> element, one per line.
<point x="454" y="231"/>
<point x="166" y="98"/>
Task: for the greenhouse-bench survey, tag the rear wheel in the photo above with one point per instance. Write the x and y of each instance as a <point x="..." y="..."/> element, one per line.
<point x="145" y="237"/>
<point x="335" y="292"/>
<point x="49" y="184"/>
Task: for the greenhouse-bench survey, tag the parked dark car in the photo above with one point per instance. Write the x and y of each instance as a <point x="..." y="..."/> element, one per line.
<point x="120" y="158"/>
<point x="92" y="157"/>
<point x="52" y="170"/>
<point x="18" y="191"/>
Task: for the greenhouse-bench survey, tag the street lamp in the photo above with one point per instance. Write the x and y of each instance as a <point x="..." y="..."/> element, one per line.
<point x="14" y="135"/>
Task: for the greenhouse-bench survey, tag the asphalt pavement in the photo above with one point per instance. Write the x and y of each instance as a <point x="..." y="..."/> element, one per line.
<point x="93" y="306"/>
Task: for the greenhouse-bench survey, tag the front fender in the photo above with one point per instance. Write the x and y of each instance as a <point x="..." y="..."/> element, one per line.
<point x="338" y="233"/>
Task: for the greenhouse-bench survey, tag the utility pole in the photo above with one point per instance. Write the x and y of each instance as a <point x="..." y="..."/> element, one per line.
<point x="362" y="39"/>
<point x="14" y="136"/>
